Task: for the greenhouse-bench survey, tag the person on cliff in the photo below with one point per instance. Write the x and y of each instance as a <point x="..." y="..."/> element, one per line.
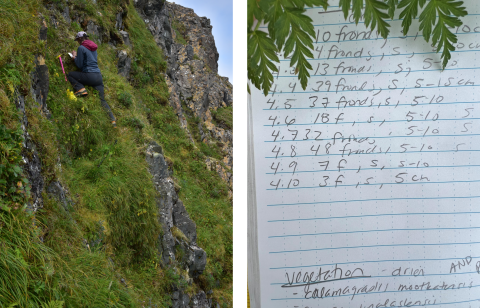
<point x="86" y="60"/>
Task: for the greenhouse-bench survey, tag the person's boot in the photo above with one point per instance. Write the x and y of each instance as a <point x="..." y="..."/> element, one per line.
<point x="81" y="92"/>
<point x="114" y="124"/>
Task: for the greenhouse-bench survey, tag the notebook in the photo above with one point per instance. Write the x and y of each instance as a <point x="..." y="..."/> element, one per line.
<point x="364" y="189"/>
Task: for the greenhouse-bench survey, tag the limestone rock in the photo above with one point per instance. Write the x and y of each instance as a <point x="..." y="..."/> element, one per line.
<point x="182" y="221"/>
<point x="196" y="260"/>
<point x="66" y="14"/>
<point x="124" y="63"/>
<point x="200" y="300"/>
<point x="199" y="34"/>
<point x="119" y="21"/>
<point x="155" y="15"/>
<point x="157" y="163"/>
<point x="180" y="299"/>
<point x="172" y="213"/>
<point x="125" y="37"/>
<point x="57" y="191"/>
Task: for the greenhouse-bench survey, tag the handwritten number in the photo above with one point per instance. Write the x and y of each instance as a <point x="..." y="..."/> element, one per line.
<point x="410" y="128"/>
<point x="296" y="133"/>
<point x="325" y="104"/>
<point x="321" y="83"/>
<point x="313" y="103"/>
<point x="468" y="112"/>
<point x="306" y="136"/>
<point x="273" y="120"/>
<point x="325" y="118"/>
<point x="325" y="66"/>
<point x="327" y="147"/>
<point x="415" y="100"/>
<point x="271" y="102"/>
<point x="294" y="183"/>
<point x="324" y="164"/>
<point x="319" y="50"/>
<point x="294" y="85"/>
<point x="318" y="89"/>
<point x="289" y="122"/>
<point x="276" y="169"/>
<point x="274" y="90"/>
<point x="409" y="115"/>
<point x="325" y="178"/>
<point x="293" y="154"/>
<point x="275" y="185"/>
<point x="403" y="146"/>
<point x="278" y="151"/>
<point x="278" y="71"/>
<point x="329" y="84"/>
<point x="287" y="105"/>
<point x="438" y="100"/>
<point x="315" y="150"/>
<point x="276" y="136"/>
<point x="294" y="165"/>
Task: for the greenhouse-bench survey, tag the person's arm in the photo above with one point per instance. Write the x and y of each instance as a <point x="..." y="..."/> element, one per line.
<point x="79" y="57"/>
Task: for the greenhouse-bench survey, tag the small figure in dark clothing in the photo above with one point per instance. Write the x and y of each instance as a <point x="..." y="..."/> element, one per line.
<point x="86" y="60"/>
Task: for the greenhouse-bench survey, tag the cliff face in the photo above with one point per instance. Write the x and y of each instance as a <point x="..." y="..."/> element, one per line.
<point x="196" y="89"/>
<point x="147" y="204"/>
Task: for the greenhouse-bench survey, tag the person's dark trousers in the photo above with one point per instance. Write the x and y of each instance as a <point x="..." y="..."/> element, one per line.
<point x="79" y="79"/>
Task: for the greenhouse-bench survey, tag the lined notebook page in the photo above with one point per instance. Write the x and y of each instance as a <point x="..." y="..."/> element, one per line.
<point x="368" y="182"/>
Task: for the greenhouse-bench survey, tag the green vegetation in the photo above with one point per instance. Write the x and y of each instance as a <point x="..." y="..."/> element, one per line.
<point x="101" y="250"/>
<point x="291" y="31"/>
<point x="13" y="185"/>
<point x="224" y="116"/>
<point x="181" y="36"/>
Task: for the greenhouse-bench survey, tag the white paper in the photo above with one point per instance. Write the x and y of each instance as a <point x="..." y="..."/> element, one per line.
<point x="397" y="223"/>
<point x="71" y="56"/>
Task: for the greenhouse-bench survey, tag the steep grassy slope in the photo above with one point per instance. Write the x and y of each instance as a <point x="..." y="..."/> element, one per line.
<point x="100" y="247"/>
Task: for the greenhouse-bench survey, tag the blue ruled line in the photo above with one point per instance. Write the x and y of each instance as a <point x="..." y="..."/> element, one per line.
<point x="393" y="291"/>
<point x="371" y="261"/>
<point x="379" y="137"/>
<point x="389" y="276"/>
<point x="378" y="168"/>
<point x="376" y="73"/>
<point x="371" y="90"/>
<point x="437" y="304"/>
<point x="373" y="184"/>
<point x="371" y="106"/>
<point x="367" y="200"/>
<point x="419" y="35"/>
<point x="385" y="56"/>
<point x="368" y="231"/>
<point x="347" y="155"/>
<point x="371" y="246"/>
<point x="366" y="122"/>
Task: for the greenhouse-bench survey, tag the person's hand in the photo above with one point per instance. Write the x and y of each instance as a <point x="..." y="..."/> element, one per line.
<point x="74" y="53"/>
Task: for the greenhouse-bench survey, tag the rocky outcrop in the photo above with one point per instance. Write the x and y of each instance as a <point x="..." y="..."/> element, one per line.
<point x="195" y="87"/>
<point x="199" y="32"/>
<point x="57" y="191"/>
<point x="155" y="15"/>
<point x="40" y="82"/>
<point x="124" y="63"/>
<point x="182" y="300"/>
<point x="179" y="231"/>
